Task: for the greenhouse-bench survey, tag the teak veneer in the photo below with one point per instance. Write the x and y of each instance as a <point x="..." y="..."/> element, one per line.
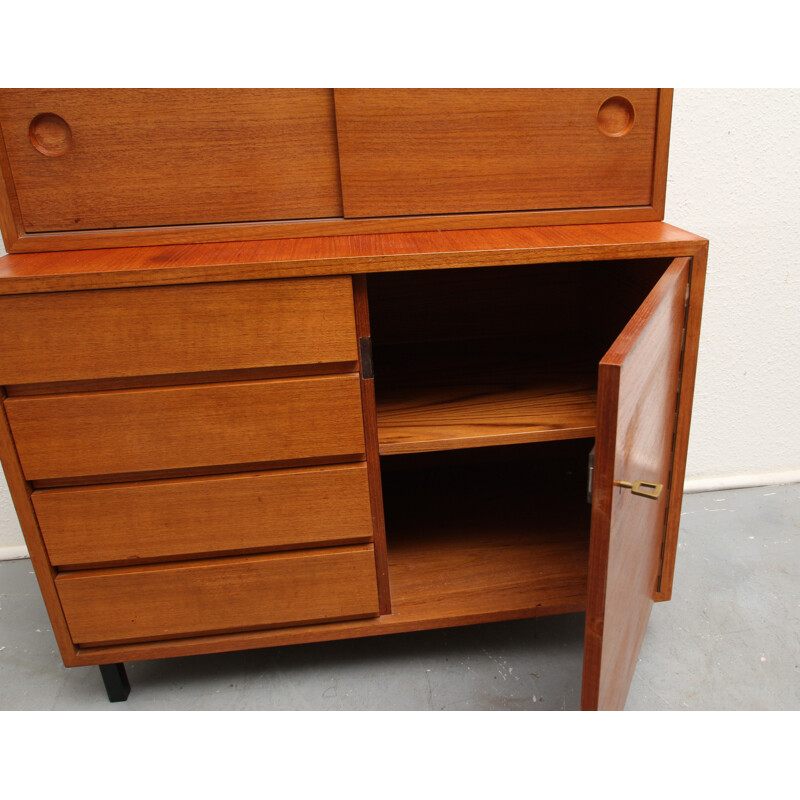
<point x="89" y="168"/>
<point x="483" y="415"/>
<point x="381" y="418"/>
<point x="219" y="514"/>
<point x="178" y="427"/>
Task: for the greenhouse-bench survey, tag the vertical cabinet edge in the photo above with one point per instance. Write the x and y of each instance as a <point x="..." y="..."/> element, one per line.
<point x="683" y="422"/>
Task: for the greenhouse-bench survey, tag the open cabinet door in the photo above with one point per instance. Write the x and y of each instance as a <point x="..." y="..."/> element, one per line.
<point x="637" y="398"/>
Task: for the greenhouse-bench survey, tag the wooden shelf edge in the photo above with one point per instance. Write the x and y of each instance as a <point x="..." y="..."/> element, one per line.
<point x="457" y="416"/>
<point x="428" y="446"/>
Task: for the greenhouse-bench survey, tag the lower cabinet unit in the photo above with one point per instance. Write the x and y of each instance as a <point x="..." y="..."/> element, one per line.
<point x="399" y="437"/>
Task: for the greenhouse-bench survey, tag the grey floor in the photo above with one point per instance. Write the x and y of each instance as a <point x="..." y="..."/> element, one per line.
<point x="730" y="639"/>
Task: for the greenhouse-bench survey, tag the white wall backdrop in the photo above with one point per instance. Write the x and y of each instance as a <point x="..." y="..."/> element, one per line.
<point x="734" y="177"/>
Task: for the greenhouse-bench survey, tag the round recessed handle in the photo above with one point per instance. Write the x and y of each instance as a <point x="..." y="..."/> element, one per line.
<point x="50" y="134"/>
<point x="616" y="116"/>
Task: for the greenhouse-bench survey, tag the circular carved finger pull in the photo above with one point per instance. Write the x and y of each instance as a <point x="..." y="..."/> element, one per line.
<point x="50" y="134"/>
<point x="615" y="117"/>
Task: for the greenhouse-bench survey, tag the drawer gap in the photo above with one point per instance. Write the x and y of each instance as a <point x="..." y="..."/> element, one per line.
<point x="190" y="472"/>
<point x="182" y="379"/>
<point x="252" y="551"/>
<point x="89" y="646"/>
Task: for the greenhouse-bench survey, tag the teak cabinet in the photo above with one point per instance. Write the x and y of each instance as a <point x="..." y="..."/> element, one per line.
<point x="224" y="445"/>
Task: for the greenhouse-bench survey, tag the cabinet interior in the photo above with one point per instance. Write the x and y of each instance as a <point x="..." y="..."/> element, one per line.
<point x="486" y="386"/>
<point x="488" y="533"/>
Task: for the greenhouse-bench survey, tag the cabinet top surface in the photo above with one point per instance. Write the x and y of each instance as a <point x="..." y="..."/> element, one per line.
<point x="339" y="255"/>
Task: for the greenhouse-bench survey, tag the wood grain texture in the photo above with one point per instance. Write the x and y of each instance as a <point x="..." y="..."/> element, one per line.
<point x="339" y="255"/>
<point x="688" y="371"/>
<point x="637" y="402"/>
<point x="662" y="151"/>
<point x="485" y="577"/>
<point x="155" y="330"/>
<point x="45" y="573"/>
<point x="103" y="433"/>
<point x="427" y="151"/>
<point x="494" y="541"/>
<point x="10" y="215"/>
<point x="493" y="356"/>
<point x="361" y="301"/>
<point x="418" y="419"/>
<point x="250" y="231"/>
<point x="173" y="157"/>
<point x="197" y="517"/>
<point x="180" y="379"/>
<point x="131" y="140"/>
<point x="460" y="546"/>
<point x="493" y="536"/>
<point x="215" y="595"/>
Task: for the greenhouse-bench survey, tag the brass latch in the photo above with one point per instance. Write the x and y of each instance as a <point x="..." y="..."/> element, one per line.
<point x="642" y="488"/>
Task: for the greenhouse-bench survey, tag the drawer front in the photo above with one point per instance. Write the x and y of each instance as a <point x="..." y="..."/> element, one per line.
<point x="158" y="330"/>
<point x="142" y="430"/>
<point x="445" y="151"/>
<point x="165" y="601"/>
<point x="95" y="158"/>
<point x="162" y="520"/>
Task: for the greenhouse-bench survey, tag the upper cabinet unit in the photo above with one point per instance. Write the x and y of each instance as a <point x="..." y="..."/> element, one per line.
<point x="95" y="168"/>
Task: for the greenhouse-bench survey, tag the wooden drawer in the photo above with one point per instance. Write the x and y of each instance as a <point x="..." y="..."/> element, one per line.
<point x="165" y="601"/>
<point x="94" y="158"/>
<point x="157" y="330"/>
<point x="445" y="151"/>
<point x="160" y="520"/>
<point x="142" y="430"/>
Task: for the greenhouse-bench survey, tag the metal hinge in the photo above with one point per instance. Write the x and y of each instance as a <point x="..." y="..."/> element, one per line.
<point x="591" y="477"/>
<point x="365" y="348"/>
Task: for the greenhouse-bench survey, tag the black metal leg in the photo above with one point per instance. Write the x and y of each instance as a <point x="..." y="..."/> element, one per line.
<point x="116" y="682"/>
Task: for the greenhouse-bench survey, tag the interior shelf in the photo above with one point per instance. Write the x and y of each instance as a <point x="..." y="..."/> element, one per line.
<point x="472" y="577"/>
<point x="487" y="540"/>
<point x="477" y="415"/>
<point x="476" y="394"/>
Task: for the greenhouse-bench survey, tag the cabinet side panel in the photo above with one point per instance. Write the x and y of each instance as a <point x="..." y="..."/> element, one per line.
<point x="689" y="369"/>
<point x="45" y="574"/>
<point x="663" y="128"/>
<point x="10" y="216"/>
